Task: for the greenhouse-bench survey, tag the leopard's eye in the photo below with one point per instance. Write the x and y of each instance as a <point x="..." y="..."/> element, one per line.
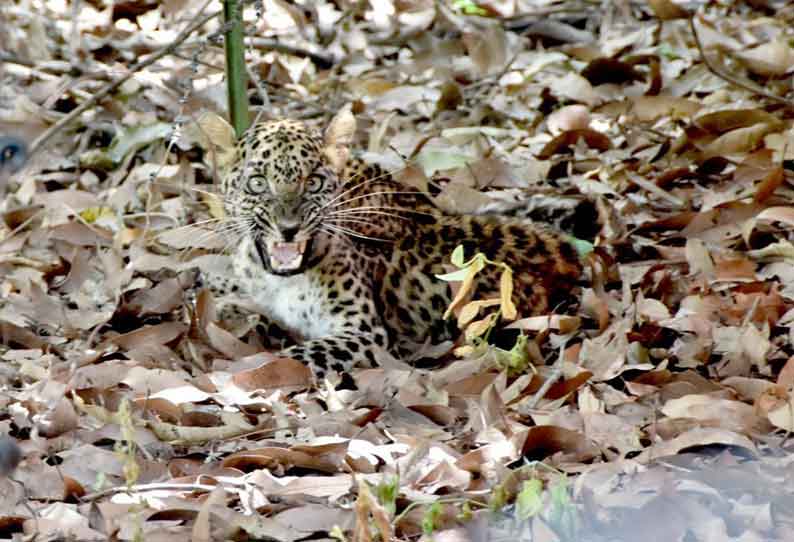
<point x="256" y="184"/>
<point x="314" y="183"/>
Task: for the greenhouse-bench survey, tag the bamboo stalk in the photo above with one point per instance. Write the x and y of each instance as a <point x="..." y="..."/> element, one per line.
<point x="236" y="76"/>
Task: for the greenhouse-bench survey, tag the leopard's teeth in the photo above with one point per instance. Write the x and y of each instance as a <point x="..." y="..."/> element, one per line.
<point x="286" y="256"/>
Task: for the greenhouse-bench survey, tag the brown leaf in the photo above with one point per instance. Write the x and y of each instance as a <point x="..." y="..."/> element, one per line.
<point x="610" y="70"/>
<point x="563" y="142"/>
<point x="488" y="49"/>
<point x="771" y="182"/>
<point x="770" y="59"/>
<point x="227" y="344"/>
<point x="557" y="322"/>
<point x="667" y="10"/>
<point x="695" y="437"/>
<point x="717" y="412"/>
<point x="275" y="373"/>
<point x="544" y="440"/>
<point x="156" y="334"/>
<point x="726" y="120"/>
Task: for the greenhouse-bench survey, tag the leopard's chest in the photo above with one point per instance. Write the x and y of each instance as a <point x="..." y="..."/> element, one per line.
<point x="301" y="304"/>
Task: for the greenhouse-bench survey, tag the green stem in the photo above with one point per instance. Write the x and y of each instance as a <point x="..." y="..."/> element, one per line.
<point x="236" y="76"/>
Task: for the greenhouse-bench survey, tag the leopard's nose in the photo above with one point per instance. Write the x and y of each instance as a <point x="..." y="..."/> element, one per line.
<point x="288" y="231"/>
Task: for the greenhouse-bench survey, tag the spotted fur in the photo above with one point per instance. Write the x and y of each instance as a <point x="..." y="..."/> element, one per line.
<point x="365" y="286"/>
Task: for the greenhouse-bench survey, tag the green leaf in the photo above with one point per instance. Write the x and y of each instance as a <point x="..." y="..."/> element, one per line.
<point x="529" y="500"/>
<point x="468" y="7"/>
<point x="518" y="358"/>
<point x="454" y="276"/>
<point x="457" y="256"/>
<point x="498" y="498"/>
<point x="465" y="513"/>
<point x="387" y="494"/>
<point x="431" y="518"/>
<point x="133" y="138"/>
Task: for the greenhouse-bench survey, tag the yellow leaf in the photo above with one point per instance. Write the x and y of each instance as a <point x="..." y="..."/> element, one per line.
<point x="508" y="308"/>
<point x="478" y="328"/>
<point x="472" y="308"/>
<point x="463" y="292"/>
<point x="463" y="351"/>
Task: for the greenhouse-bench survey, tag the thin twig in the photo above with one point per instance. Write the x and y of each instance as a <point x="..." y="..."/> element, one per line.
<point x="147" y="487"/>
<point x="39" y="143"/>
<point x="322" y="61"/>
<point x="556" y="373"/>
<point x="744" y="84"/>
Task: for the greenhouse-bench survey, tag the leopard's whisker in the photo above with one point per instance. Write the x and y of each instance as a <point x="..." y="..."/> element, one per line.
<point x="379" y="193"/>
<point x="191" y="225"/>
<point x="235" y="240"/>
<point x="219" y="195"/>
<point x="367" y="208"/>
<point x="354" y="221"/>
<point x="385" y="175"/>
<point x="204" y="234"/>
<point x="345" y="192"/>
<point x="347" y="231"/>
<point x="231" y="232"/>
<point x="364" y="213"/>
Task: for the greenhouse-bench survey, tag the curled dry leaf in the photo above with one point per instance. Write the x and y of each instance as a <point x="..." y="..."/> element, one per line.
<point x="570" y="117"/>
<point x="546" y="440"/>
<point x="772" y="59"/>
<point x="273" y="374"/>
<point x="506" y="305"/>
<point x="726" y="120"/>
<point x="696" y="437"/>
<point x="667" y="10"/>
<point x="563" y="142"/>
<point x="716" y="412"/>
<point x="557" y="322"/>
<point x="739" y="140"/>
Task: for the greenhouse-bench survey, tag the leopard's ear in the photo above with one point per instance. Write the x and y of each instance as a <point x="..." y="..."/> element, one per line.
<point x="339" y="137"/>
<point x="215" y="136"/>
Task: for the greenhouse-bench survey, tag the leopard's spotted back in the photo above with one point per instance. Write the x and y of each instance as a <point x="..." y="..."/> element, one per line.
<point x="362" y="251"/>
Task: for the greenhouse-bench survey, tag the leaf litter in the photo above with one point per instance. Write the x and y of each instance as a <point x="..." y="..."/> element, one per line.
<point x="660" y="408"/>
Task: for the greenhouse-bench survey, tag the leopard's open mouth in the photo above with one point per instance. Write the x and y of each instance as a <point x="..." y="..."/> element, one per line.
<point x="283" y="258"/>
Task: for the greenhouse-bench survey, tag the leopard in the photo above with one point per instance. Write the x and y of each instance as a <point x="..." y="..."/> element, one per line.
<point x="344" y="258"/>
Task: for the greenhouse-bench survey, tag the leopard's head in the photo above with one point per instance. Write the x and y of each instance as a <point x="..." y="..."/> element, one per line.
<point x="279" y="183"/>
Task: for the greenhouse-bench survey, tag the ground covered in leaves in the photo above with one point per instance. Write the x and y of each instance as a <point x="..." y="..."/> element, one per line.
<point x="659" y="411"/>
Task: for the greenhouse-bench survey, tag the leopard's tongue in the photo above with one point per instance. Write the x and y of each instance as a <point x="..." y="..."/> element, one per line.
<point x="286" y="256"/>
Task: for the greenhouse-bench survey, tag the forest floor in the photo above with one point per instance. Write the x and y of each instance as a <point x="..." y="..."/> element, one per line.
<point x="659" y="411"/>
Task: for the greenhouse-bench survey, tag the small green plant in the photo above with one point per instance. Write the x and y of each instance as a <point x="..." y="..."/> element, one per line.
<point x="529" y="501"/>
<point x="127" y="446"/>
<point x="499" y="498"/>
<point x="432" y="518"/>
<point x="387" y="492"/>
<point x="467" y="311"/>
<point x="468" y="7"/>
